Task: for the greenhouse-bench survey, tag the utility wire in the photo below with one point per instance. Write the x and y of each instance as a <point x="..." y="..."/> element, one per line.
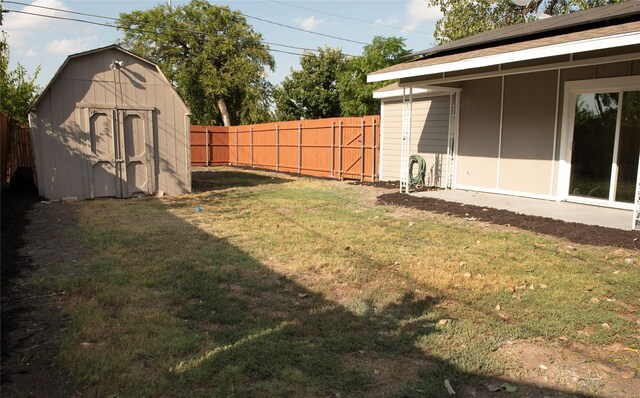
<point x="346" y="17"/>
<point x="304" y="30"/>
<point x="116" y="27"/>
<point x="248" y="16"/>
<point x="141" y="23"/>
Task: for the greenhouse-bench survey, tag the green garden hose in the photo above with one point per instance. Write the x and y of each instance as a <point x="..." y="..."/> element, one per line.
<point x="417" y="180"/>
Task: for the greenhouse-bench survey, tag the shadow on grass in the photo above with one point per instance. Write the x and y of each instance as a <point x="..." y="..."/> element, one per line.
<point x="203" y="181"/>
<point x="231" y="326"/>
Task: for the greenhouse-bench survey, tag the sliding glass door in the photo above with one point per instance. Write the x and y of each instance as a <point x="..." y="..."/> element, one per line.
<point x="605" y="147"/>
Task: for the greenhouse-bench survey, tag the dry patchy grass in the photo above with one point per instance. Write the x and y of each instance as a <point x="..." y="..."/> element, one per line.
<point x="297" y="286"/>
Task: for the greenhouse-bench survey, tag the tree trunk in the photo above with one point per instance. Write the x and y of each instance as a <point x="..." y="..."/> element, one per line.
<point x="222" y="107"/>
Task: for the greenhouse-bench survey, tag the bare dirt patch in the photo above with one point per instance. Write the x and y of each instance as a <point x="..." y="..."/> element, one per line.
<point x="32" y="237"/>
<point x="602" y="371"/>
<point x="573" y="232"/>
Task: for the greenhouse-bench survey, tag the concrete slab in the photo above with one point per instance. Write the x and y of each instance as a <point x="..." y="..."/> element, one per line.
<point x="572" y="212"/>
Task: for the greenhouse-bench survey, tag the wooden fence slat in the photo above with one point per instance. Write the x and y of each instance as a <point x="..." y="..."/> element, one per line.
<point x="323" y="147"/>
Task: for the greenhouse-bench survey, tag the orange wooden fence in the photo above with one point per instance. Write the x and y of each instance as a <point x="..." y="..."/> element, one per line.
<point x="16" y="148"/>
<point x="342" y="148"/>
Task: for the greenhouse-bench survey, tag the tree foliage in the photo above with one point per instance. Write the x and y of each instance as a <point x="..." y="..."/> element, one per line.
<point x="18" y="90"/>
<point x="330" y="84"/>
<point x="356" y="95"/>
<point x="211" y="54"/>
<point x="466" y="18"/>
<point x="312" y="91"/>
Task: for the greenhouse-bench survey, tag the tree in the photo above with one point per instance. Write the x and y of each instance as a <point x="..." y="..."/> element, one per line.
<point x="17" y="89"/>
<point x="466" y="18"/>
<point x="356" y="96"/>
<point x="211" y="54"/>
<point x="312" y="92"/>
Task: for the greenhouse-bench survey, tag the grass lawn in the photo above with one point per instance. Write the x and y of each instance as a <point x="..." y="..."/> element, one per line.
<point x="284" y="286"/>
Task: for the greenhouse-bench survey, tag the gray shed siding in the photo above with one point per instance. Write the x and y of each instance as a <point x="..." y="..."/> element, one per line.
<point x="429" y="136"/>
<point x="71" y="122"/>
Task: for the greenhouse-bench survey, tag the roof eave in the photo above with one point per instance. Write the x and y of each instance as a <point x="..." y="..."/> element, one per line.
<point x="573" y="47"/>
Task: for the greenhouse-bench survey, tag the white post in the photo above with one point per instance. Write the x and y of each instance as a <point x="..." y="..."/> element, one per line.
<point x="636" y="208"/>
<point x="407" y="102"/>
<point x="373" y="149"/>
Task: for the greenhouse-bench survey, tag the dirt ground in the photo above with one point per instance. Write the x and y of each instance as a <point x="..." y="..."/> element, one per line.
<point x="33" y="235"/>
<point x="573" y="232"/>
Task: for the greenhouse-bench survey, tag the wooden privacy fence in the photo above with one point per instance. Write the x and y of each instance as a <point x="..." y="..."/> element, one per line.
<point x="16" y="148"/>
<point x="342" y="148"/>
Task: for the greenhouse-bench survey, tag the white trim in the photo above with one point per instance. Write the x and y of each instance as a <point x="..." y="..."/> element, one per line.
<point x="456" y="141"/>
<point x="599" y="202"/>
<point x="418" y="92"/>
<point x="571" y="90"/>
<point x="381" y="157"/>
<point x="613" y="186"/>
<point x="505" y="192"/>
<point x="500" y="133"/>
<point x="624" y="39"/>
<point x="555" y="135"/>
<point x="529" y="69"/>
<point x="398" y="93"/>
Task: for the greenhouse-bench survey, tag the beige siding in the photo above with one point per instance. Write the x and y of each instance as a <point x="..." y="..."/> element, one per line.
<point x="527" y="132"/>
<point x="61" y="138"/>
<point x="478" y="133"/>
<point x="527" y="162"/>
<point x="429" y="134"/>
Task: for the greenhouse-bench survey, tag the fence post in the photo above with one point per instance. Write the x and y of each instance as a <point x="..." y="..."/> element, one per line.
<point x="340" y="149"/>
<point x="277" y="148"/>
<point x="362" y="149"/>
<point x="299" y="147"/>
<point x="332" y="146"/>
<point x="236" y="146"/>
<point x="251" y="145"/>
<point x="206" y="144"/>
<point x="373" y="149"/>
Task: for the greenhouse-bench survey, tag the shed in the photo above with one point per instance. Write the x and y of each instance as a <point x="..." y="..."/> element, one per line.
<point x="547" y="109"/>
<point x="109" y="124"/>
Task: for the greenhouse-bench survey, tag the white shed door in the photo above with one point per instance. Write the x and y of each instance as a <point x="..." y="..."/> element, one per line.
<point x="137" y="162"/>
<point x="122" y="162"/>
<point x="103" y="181"/>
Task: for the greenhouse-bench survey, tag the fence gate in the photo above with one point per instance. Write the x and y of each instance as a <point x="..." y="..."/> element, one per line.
<point x="121" y="153"/>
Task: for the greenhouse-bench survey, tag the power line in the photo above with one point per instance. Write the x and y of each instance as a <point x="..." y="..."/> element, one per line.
<point x="130" y="29"/>
<point x="142" y="23"/>
<point x="248" y="16"/>
<point x="304" y="30"/>
<point x="349" y="18"/>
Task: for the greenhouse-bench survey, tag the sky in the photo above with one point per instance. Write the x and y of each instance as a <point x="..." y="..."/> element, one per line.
<point x="37" y="41"/>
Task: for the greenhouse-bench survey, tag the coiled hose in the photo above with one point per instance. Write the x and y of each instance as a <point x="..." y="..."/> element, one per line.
<point x="417" y="180"/>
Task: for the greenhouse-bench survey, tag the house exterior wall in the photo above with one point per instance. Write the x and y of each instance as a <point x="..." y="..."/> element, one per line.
<point x="528" y="129"/>
<point x="429" y="137"/>
<point x="511" y="143"/>
<point x="479" y="137"/>
<point x="60" y="123"/>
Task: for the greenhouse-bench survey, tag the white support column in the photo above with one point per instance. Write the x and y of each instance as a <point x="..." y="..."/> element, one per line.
<point x="636" y="208"/>
<point x="451" y="153"/>
<point x="407" y="103"/>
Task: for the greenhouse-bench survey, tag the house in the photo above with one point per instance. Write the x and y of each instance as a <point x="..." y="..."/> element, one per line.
<point x="109" y="124"/>
<point x="548" y="109"/>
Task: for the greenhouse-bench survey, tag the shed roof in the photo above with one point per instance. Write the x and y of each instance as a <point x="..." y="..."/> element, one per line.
<point x="598" y="28"/>
<point x="97" y="50"/>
